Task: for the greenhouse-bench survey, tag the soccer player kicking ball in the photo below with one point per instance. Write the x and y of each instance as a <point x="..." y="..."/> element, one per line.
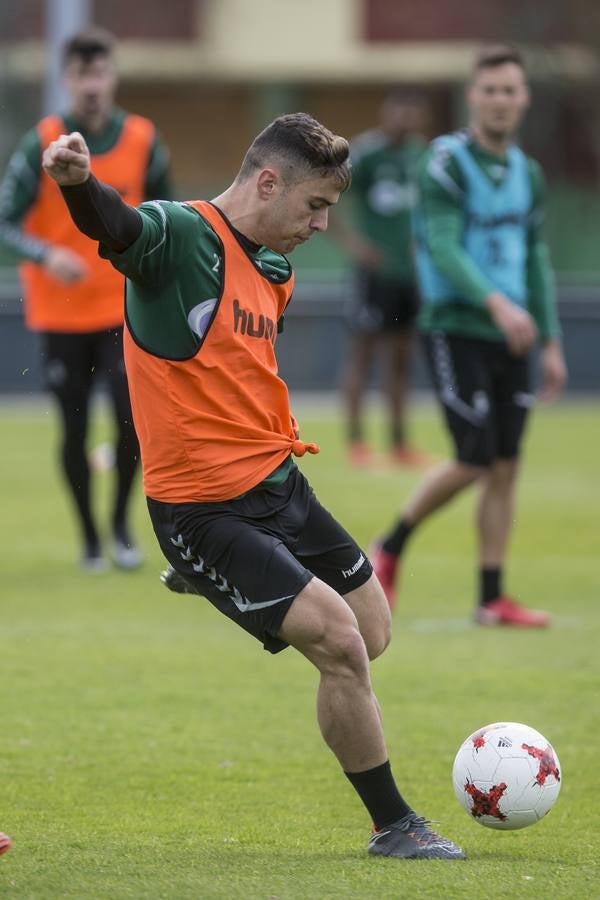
<point x="207" y="286"/>
<point x="488" y="294"/>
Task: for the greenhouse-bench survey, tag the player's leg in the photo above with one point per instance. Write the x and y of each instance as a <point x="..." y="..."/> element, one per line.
<point x="68" y="372"/>
<point x="235" y="554"/>
<point x="397" y="347"/>
<point x="364" y="322"/>
<point x="124" y="551"/>
<point x="495" y="514"/>
<point x="496" y="507"/>
<point x="400" y="306"/>
<point x="462" y="387"/>
<point x="321" y="626"/>
<point x="332" y="554"/>
<point x="356" y="378"/>
<point x="324" y="629"/>
<point x="369" y="605"/>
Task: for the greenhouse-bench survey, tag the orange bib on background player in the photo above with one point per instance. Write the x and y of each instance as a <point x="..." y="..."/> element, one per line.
<point x="95" y="302"/>
<point x="214" y="426"/>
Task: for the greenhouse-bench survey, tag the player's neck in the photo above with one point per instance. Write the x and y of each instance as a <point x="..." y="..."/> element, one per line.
<point x="495" y="144"/>
<point x="233" y="203"/>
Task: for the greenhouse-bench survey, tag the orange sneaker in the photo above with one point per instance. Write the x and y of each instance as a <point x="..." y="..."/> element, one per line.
<point x="506" y="611"/>
<point x="386" y="566"/>
<point x="5" y="843"/>
<point x="410" y="456"/>
<point x="360" y="455"/>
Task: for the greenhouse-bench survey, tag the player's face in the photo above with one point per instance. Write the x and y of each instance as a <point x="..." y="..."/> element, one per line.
<point x="399" y="118"/>
<point x="498" y="98"/>
<point x="91" y="86"/>
<point x="298" y="211"/>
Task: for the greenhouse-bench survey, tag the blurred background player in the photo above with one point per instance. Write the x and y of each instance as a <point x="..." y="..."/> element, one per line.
<point x="378" y="238"/>
<point x="488" y="293"/>
<point x="72" y="297"/>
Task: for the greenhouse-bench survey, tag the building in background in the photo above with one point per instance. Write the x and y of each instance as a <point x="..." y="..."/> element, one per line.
<point x="232" y="65"/>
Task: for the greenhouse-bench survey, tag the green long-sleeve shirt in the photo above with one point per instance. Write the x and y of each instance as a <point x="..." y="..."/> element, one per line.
<point x="441" y="190"/>
<point x="383" y="192"/>
<point x="20" y="185"/>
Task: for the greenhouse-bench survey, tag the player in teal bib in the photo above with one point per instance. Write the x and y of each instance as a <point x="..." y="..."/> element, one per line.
<point x="496" y="222"/>
<point x="487" y="295"/>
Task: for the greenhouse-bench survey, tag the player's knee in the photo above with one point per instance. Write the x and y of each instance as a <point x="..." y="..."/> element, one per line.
<point x="503" y="472"/>
<point x="380" y="640"/>
<point x="506" y="467"/>
<point x="345" y="653"/>
<point x="379" y="633"/>
<point x="376" y="644"/>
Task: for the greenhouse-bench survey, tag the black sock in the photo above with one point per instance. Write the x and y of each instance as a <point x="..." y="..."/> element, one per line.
<point x="394" y="542"/>
<point x="490" y="585"/>
<point x="377" y="790"/>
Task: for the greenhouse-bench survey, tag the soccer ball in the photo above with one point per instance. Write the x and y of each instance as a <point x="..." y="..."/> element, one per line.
<point x="506" y="776"/>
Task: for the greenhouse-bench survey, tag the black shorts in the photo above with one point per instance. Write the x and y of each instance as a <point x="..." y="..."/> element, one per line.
<point x="253" y="555"/>
<point x="381" y="304"/>
<point x="485" y="394"/>
<point x="72" y="359"/>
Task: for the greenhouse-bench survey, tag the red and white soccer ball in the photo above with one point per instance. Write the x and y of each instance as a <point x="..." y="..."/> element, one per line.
<point x="506" y="776"/>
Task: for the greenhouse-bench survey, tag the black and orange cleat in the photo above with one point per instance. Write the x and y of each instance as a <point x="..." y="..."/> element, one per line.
<point x="412" y="838"/>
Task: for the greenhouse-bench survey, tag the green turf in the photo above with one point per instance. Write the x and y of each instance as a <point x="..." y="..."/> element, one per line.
<point x="150" y="750"/>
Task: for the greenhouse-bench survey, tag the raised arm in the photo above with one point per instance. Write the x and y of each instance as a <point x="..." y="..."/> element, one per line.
<point x="97" y="209"/>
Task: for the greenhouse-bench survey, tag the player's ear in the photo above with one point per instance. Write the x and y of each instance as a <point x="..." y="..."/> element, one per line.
<point x="267" y="183"/>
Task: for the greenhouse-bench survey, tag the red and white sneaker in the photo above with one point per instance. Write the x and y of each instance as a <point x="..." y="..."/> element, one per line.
<point x="506" y="611"/>
<point x="386" y="566"/>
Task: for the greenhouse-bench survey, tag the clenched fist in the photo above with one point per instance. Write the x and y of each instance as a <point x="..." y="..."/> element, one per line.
<point x="67" y="160"/>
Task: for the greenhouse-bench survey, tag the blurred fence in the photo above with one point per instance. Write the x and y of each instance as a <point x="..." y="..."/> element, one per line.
<point x="311" y="349"/>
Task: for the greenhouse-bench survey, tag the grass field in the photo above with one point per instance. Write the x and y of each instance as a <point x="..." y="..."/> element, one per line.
<point x="151" y="750"/>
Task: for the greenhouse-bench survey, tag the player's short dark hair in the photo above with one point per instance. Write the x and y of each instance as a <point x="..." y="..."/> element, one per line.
<point x="301" y="146"/>
<point x="88" y="44"/>
<point x="493" y="55"/>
